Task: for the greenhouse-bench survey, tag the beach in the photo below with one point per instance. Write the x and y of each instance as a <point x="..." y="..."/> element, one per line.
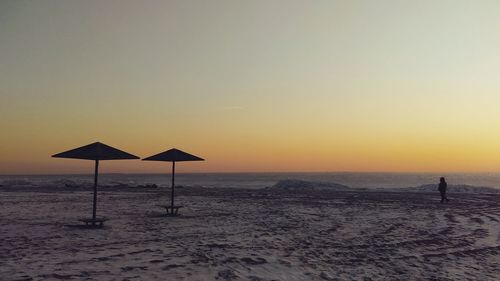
<point x="248" y="234"/>
<point x="305" y="140"/>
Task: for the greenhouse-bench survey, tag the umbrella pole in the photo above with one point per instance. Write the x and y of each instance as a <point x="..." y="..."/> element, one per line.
<point x="95" y="190"/>
<point x="173" y="186"/>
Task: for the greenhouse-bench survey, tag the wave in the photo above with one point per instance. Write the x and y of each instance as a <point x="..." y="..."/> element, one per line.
<point x="456" y="188"/>
<point x="81" y="182"/>
<point x="70" y="183"/>
<point x="293" y="184"/>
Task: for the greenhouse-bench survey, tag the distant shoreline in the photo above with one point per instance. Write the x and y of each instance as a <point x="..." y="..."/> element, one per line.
<point x="246" y="173"/>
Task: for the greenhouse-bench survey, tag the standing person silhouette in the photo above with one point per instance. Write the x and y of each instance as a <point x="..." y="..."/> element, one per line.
<point x="442" y="189"/>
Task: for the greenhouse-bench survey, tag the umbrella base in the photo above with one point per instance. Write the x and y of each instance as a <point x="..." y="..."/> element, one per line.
<point x="94" y="223"/>
<point x="171" y="210"/>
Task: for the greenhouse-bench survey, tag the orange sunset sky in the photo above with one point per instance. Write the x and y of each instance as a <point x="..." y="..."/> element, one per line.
<point x="290" y="85"/>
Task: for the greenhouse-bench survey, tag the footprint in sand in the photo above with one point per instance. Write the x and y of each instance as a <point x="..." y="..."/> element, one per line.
<point x="477" y="220"/>
<point x="481" y="233"/>
<point x="451" y="218"/>
<point x="129" y="268"/>
<point x="255" y="261"/>
<point x="170" y="266"/>
<point x="226" y="274"/>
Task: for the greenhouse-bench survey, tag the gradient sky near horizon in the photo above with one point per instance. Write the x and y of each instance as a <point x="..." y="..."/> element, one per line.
<point x="289" y="85"/>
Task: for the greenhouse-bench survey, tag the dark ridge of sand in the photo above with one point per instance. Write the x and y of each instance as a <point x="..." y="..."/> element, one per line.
<point x="238" y="234"/>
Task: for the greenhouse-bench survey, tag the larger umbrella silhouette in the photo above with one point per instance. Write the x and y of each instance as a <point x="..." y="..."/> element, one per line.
<point x="95" y="151"/>
<point x="173" y="155"/>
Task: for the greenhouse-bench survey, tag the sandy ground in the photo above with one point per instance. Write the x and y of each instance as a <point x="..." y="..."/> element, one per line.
<point x="226" y="234"/>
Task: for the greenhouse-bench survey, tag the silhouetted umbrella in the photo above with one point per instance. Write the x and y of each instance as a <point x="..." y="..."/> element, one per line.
<point x="96" y="151"/>
<point x="173" y="155"/>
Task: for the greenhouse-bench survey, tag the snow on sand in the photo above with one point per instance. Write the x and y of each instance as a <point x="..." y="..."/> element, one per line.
<point x="236" y="234"/>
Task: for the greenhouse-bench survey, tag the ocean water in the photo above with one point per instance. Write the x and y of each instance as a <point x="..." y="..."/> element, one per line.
<point x="257" y="180"/>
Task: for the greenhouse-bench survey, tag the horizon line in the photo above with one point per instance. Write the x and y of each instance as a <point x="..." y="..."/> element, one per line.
<point x="257" y="172"/>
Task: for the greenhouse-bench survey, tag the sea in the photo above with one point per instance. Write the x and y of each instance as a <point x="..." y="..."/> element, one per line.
<point x="257" y="180"/>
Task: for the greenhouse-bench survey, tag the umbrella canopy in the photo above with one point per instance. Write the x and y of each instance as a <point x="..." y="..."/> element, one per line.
<point x="95" y="151"/>
<point x="173" y="155"/>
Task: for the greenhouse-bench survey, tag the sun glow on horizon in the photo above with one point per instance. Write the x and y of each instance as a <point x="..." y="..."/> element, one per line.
<point x="279" y="86"/>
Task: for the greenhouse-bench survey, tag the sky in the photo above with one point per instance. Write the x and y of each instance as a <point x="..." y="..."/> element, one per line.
<point x="266" y="86"/>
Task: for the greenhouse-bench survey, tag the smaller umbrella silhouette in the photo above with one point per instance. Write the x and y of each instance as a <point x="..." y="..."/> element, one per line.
<point x="173" y="155"/>
<point x="95" y="151"/>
